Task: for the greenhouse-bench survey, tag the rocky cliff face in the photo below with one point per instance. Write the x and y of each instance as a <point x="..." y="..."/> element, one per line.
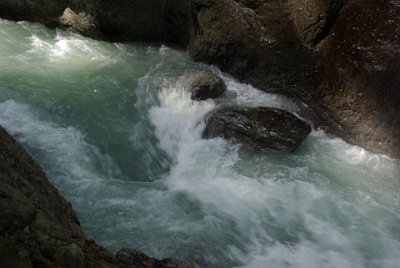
<point x="338" y="59"/>
<point x="358" y="75"/>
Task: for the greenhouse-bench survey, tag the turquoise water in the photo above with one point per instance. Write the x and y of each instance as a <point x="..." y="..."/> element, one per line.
<point x="114" y="128"/>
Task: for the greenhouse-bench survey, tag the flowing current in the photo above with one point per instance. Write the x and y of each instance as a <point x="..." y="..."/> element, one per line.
<point x="115" y="130"/>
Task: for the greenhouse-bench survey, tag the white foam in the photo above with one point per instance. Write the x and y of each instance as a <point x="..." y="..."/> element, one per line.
<point x="65" y="148"/>
<point x="304" y="256"/>
<point x="39" y="44"/>
<point x="177" y="119"/>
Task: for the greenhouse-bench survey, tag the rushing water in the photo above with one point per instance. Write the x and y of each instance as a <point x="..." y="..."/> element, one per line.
<point x="115" y="130"/>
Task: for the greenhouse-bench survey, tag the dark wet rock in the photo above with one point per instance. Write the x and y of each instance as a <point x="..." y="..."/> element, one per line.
<point x="339" y="60"/>
<point x="46" y="12"/>
<point x="266" y="43"/>
<point x="128" y="258"/>
<point x="259" y="128"/>
<point x="254" y="41"/>
<point x="150" y="20"/>
<point x="207" y="86"/>
<point x="358" y="78"/>
<point x="38" y="227"/>
<point x="312" y="21"/>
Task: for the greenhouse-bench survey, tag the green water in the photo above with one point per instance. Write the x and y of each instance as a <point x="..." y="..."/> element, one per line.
<point x="115" y="130"/>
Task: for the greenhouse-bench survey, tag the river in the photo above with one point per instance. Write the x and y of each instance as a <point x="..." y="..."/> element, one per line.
<point x="113" y="126"/>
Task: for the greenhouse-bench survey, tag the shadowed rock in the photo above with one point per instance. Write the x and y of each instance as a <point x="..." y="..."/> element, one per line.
<point x="259" y="128"/>
<point x="38" y="227"/>
<point x="207" y="86"/>
<point x="150" y="20"/>
<point x="359" y="75"/>
<point x="339" y="60"/>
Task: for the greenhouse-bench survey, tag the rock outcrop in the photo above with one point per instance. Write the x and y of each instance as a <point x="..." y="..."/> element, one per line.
<point x="357" y="80"/>
<point x="257" y="46"/>
<point x="259" y="128"/>
<point x="313" y="19"/>
<point x="338" y="59"/>
<point x="38" y="227"/>
<point x="207" y="86"/>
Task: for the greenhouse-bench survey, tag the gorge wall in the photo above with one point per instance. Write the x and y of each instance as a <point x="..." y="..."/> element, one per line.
<point x="358" y="75"/>
<point x="151" y="20"/>
<point x="338" y="59"/>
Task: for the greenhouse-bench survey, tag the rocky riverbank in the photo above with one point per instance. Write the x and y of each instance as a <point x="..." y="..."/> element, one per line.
<point x="338" y="59"/>
<point x="39" y="228"/>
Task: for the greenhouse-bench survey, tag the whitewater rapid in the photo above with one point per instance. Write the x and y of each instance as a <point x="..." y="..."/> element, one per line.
<point x="115" y="130"/>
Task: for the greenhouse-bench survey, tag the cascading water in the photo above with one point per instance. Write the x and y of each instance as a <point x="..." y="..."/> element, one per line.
<point x="115" y="130"/>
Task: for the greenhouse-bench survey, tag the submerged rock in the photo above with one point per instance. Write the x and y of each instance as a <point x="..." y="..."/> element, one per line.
<point x="260" y="128"/>
<point x="207" y="86"/>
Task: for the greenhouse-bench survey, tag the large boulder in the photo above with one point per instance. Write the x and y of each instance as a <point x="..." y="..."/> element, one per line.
<point x="259" y="128"/>
<point x="207" y="86"/>
<point x="254" y="41"/>
<point x="339" y="60"/>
